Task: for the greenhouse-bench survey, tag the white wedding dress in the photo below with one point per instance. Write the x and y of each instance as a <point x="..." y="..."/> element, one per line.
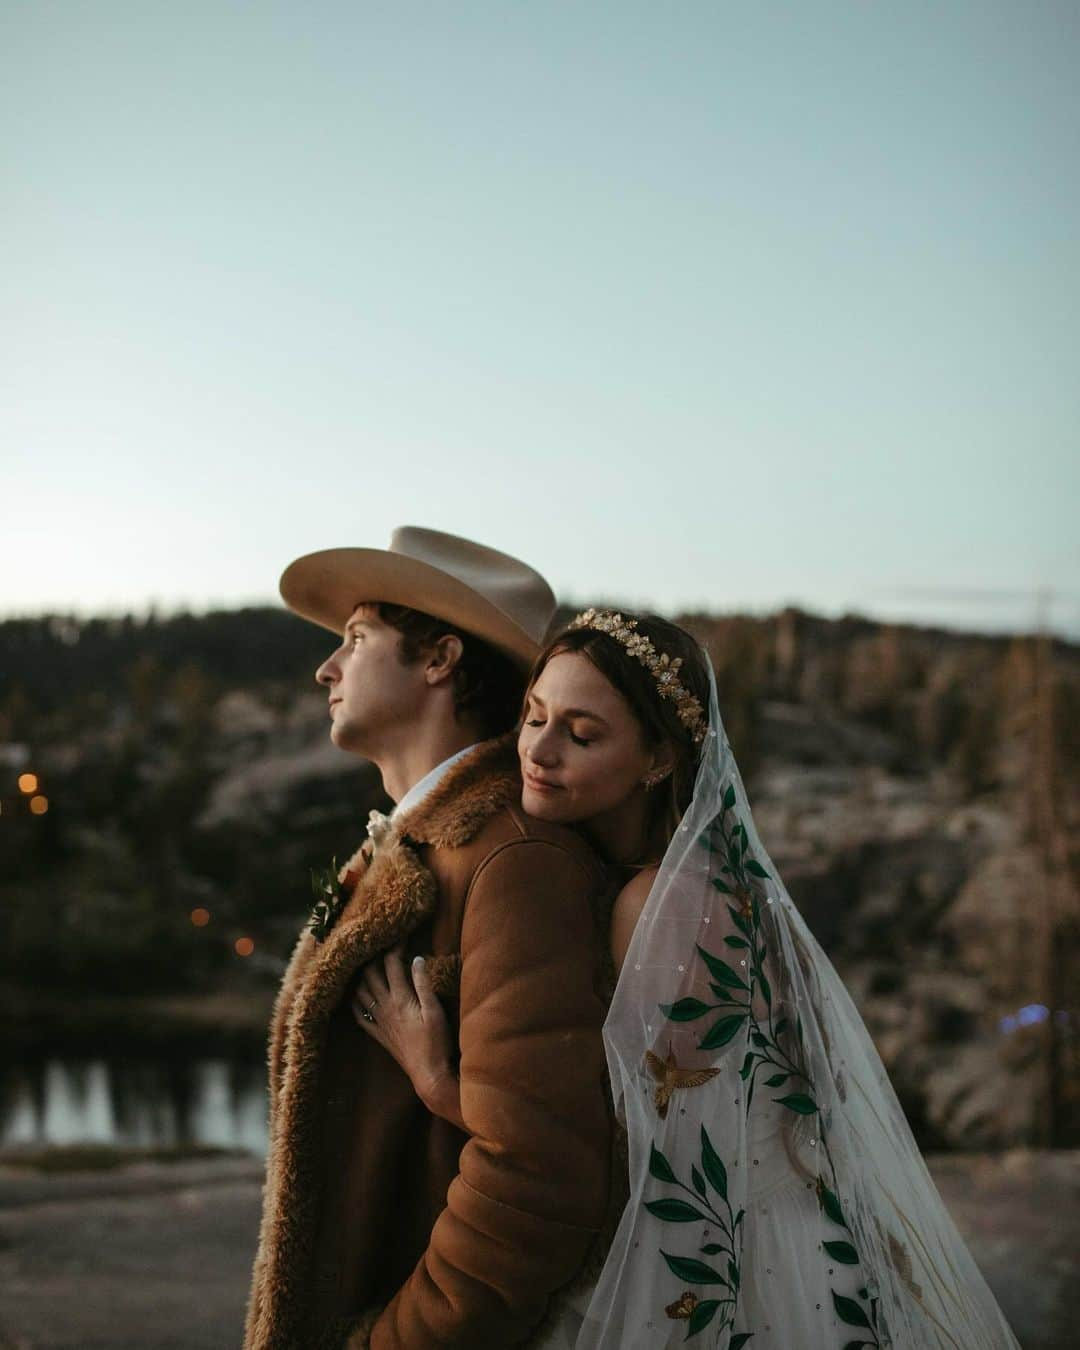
<point x="778" y="1200"/>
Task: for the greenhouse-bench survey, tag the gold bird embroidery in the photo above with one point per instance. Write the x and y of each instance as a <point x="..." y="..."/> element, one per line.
<point x="669" y="1077"/>
<point x="683" y="1306"/>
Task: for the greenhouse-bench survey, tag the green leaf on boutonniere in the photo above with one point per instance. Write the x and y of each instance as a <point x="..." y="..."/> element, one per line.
<point x="330" y="900"/>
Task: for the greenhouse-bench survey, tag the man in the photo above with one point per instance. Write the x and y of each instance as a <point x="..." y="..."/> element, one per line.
<point x="383" y="1225"/>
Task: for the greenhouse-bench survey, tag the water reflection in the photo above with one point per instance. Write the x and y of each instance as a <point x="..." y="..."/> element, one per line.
<point x="138" y="1103"/>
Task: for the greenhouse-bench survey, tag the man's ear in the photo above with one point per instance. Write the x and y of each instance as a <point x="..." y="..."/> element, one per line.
<point x="443" y="656"/>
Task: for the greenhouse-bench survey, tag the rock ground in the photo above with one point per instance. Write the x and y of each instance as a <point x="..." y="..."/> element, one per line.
<point x="156" y="1256"/>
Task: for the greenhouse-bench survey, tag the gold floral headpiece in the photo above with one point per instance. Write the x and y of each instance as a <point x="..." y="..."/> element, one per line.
<point x="660" y="666"/>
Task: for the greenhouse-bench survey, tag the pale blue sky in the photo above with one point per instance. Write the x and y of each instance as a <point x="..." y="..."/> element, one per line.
<point x="702" y="304"/>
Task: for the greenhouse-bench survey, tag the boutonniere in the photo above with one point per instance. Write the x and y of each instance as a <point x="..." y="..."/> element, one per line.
<point x="331" y="898"/>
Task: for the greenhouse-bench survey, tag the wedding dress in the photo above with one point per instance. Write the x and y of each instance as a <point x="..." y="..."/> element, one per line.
<point x="777" y="1197"/>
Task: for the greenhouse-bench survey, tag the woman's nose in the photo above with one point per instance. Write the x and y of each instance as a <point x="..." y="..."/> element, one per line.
<point x="542" y="750"/>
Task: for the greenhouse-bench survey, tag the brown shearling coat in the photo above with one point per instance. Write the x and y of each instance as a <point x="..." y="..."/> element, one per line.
<point x="384" y="1226"/>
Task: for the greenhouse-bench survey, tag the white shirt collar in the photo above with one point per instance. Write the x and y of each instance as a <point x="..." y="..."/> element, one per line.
<point x="420" y="790"/>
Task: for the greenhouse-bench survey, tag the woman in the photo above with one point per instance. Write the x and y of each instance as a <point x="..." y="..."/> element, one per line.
<point x="776" y="1192"/>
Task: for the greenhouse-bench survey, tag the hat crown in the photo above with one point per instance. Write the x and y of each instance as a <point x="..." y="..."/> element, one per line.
<point x="506" y="582"/>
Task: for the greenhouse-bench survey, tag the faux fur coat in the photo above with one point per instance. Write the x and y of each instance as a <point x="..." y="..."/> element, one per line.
<point x="384" y="1226"/>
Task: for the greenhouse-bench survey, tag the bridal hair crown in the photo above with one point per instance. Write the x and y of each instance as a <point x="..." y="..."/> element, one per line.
<point x="660" y="666"/>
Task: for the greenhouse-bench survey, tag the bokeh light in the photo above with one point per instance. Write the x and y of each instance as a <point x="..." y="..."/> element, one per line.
<point x="28" y="782"/>
<point x="200" y="917"/>
<point x="39" y="805"/>
<point x="244" y="946"/>
<point x="1026" y="1017"/>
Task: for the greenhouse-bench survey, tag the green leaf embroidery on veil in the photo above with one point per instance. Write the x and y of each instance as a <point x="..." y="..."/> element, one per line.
<point x="741" y="879"/>
<point x="699" y="1313"/>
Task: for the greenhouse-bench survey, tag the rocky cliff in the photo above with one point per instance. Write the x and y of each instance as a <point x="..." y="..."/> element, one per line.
<point x="918" y="790"/>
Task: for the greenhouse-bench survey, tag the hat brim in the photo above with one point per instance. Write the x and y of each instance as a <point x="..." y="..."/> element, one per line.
<point x="327" y="586"/>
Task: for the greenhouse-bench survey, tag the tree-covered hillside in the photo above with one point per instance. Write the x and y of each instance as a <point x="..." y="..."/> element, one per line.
<point x="918" y="789"/>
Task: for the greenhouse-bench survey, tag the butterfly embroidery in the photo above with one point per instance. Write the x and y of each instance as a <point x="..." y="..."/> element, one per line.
<point x="683" y="1306"/>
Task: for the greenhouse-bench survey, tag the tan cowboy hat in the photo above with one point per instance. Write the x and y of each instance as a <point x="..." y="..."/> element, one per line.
<point x="482" y="591"/>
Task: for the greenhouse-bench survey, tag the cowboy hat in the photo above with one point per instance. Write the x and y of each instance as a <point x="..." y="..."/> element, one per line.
<point x="479" y="590"/>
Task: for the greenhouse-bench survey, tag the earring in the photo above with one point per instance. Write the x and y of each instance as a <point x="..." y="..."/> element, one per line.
<point x="657" y="776"/>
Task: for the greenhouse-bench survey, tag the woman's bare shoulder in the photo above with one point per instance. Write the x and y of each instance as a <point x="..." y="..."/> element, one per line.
<point x="636" y="891"/>
<point x="627" y="908"/>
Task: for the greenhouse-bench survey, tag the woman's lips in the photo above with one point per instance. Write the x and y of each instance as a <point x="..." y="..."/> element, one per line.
<point x="538" y="785"/>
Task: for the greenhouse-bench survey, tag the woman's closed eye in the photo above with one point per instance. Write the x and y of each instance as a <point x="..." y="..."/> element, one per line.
<point x="578" y="740"/>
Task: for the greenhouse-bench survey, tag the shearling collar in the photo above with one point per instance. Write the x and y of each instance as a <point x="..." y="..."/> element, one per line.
<point x="471" y="791"/>
<point x="394" y="892"/>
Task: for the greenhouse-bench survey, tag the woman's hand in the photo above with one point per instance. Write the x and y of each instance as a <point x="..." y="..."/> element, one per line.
<point x="408" y="1021"/>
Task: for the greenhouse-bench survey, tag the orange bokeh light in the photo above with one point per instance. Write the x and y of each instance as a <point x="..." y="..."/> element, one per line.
<point x="200" y="917"/>
<point x="244" y="946"/>
<point x="39" y="805"/>
<point x="28" y="782"/>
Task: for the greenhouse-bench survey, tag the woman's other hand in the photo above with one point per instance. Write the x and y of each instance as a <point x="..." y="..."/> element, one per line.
<point x="408" y="1021"/>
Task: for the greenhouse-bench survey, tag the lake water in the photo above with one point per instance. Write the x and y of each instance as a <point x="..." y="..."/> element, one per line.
<point x="137" y="1103"/>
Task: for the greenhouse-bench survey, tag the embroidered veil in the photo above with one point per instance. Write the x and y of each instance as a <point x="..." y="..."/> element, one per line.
<point x="778" y="1200"/>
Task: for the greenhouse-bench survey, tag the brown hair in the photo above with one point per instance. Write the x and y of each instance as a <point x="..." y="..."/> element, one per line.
<point x="487" y="685"/>
<point x="656" y="716"/>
